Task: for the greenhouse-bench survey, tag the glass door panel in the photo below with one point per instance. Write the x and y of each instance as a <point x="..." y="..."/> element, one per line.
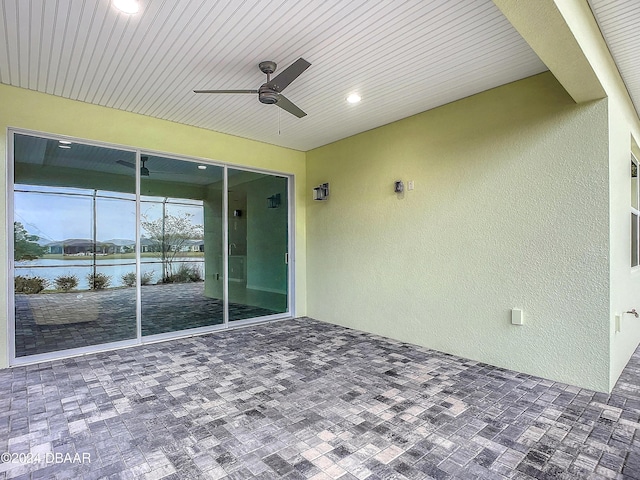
<point x="74" y="217"/>
<point x="79" y="264"/>
<point x="257" y="247"/>
<point x="181" y="249"/>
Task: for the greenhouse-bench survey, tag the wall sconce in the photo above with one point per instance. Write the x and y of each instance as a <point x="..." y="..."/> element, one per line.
<point x="321" y="192"/>
<point x="273" y="201"/>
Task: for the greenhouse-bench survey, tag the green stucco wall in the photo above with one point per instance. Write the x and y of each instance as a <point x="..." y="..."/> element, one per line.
<point x="509" y="211"/>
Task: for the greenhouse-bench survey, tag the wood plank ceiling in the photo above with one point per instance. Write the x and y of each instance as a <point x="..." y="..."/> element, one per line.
<point x="618" y="21"/>
<point x="402" y="56"/>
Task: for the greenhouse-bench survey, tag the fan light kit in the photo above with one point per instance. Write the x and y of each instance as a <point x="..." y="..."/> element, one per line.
<point x="270" y="92"/>
<point x="127" y="6"/>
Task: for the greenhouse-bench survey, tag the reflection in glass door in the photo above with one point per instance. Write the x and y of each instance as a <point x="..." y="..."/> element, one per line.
<point x="115" y="247"/>
<point x="257" y="244"/>
<point x="74" y="245"/>
<point x="180" y="245"/>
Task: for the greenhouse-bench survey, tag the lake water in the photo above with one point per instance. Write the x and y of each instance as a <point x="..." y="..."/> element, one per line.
<point x="49" y="269"/>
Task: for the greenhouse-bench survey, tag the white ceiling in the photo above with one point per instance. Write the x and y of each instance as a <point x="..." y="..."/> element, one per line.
<point x="618" y="21"/>
<point x="402" y="56"/>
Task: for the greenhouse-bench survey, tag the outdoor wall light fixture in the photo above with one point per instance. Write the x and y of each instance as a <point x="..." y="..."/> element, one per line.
<point x="321" y="192"/>
<point x="399" y="187"/>
<point x="273" y="201"/>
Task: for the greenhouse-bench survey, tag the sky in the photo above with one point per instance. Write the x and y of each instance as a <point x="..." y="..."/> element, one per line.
<point x="56" y="217"/>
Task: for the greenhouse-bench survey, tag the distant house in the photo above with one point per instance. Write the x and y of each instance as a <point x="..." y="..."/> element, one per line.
<point x="147" y="245"/>
<point x="193" y="246"/>
<point x="120" y="245"/>
<point x="83" y="246"/>
<point x="54" y="248"/>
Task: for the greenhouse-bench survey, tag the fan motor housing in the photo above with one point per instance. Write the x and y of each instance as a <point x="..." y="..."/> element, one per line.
<point x="267" y="95"/>
<point x="267" y="67"/>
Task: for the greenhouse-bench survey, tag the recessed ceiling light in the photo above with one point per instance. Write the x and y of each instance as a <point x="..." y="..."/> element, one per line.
<point x="127" y="6"/>
<point x="202" y="167"/>
<point x="64" y="142"/>
<point x="354" y="98"/>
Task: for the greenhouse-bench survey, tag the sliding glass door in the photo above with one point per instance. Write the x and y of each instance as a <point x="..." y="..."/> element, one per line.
<point x="114" y="247"/>
<point x="181" y="245"/>
<point x="74" y="243"/>
<point x="257" y="243"/>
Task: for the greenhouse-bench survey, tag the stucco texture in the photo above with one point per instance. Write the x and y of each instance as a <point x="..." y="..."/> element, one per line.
<point x="623" y="127"/>
<point x="510" y="210"/>
<point x="625" y="281"/>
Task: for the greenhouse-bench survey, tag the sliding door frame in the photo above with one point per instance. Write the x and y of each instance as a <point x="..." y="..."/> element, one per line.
<point x="290" y="313"/>
<point x="10" y="209"/>
<point x="10" y="228"/>
<point x="140" y="339"/>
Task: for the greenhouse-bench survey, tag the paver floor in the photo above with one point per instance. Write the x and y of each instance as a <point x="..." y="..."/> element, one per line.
<point x="300" y="399"/>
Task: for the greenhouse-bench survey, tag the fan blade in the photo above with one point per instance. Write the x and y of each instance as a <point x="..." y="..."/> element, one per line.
<point x="286" y="104"/>
<point x="126" y="164"/>
<point x="225" y="91"/>
<point x="288" y="75"/>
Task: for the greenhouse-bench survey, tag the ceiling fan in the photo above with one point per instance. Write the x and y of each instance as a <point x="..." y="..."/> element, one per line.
<point x="144" y="171"/>
<point x="270" y="92"/>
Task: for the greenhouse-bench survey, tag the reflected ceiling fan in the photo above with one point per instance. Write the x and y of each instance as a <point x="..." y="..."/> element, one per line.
<point x="270" y="92"/>
<point x="144" y="171"/>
